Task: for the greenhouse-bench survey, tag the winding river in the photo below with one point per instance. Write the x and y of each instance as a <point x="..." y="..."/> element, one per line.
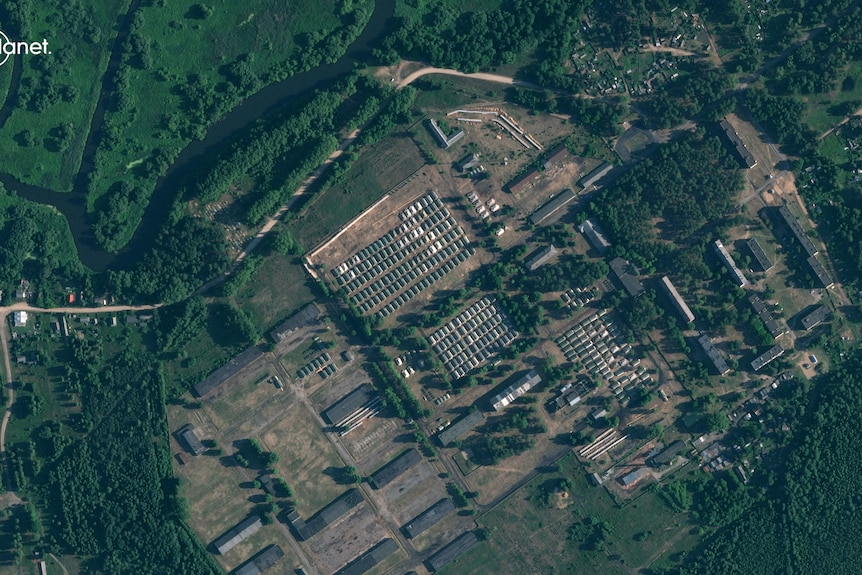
<point x="73" y="205"/>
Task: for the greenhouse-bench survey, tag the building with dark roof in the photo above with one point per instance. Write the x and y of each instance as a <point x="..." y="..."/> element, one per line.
<point x="326" y="516"/>
<point x="452" y="550"/>
<point x="228" y="370"/>
<point x="760" y="361"/>
<point x="516" y="390"/>
<point x="678" y="303"/>
<point x="540" y="258"/>
<point x="593" y="177"/>
<point x="627" y="275"/>
<point x="187" y="437"/>
<point x="713" y="354"/>
<point x="815" y="317"/>
<point x="428" y="518"/>
<point x="774" y="327"/>
<point x="261" y="562"/>
<point x="235" y="535"/>
<point x="729" y="263"/>
<point x="471" y="160"/>
<point x="460" y="427"/>
<point x="551" y="207"/>
<point x="308" y="315"/>
<point x="820" y="272"/>
<point x="523" y="181"/>
<point x="396" y="467"/>
<point x="791" y="222"/>
<point x="595" y="235"/>
<point x="349" y="404"/>
<point x="668" y="453"/>
<point x="633" y="477"/>
<point x="757" y="251"/>
<point x="742" y="153"/>
<point x="370" y="558"/>
<point x="443" y="140"/>
<point x="559" y="153"/>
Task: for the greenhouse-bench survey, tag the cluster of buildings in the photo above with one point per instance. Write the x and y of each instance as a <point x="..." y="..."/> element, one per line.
<point x="473" y="336"/>
<point x="320" y="364"/>
<point x="393" y="269"/>
<point x="593" y="342"/>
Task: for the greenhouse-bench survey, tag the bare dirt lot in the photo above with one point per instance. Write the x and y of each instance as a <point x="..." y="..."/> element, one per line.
<point x="347" y="538"/>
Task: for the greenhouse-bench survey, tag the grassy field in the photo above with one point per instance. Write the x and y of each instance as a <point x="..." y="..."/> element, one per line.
<point x="823" y="108"/>
<point x="200" y="66"/>
<point x="242" y="398"/>
<point x="377" y="170"/>
<point x="78" y="59"/>
<point x="304" y="457"/>
<point x="197" y="359"/>
<point x="527" y="536"/>
<point x="832" y="147"/>
<point x="279" y="288"/>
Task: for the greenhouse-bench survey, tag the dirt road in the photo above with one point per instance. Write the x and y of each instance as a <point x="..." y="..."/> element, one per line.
<point x="477" y="76"/>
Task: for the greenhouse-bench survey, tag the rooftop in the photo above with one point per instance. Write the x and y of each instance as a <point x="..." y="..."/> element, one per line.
<point x="595" y="235"/>
<point x="370" y="558"/>
<point x="461" y="427"/>
<point x="763" y="359"/>
<point x="593" y="177"/>
<point x="556" y="203"/>
<point x="306" y="316"/>
<point x="800" y="235"/>
<point x="815" y="317"/>
<point x="741" y="151"/>
<point x="679" y="303"/>
<point x="540" y="258"/>
<point x="237" y="534"/>
<point x="516" y="390"/>
<point x="227" y="371"/>
<point x="737" y="275"/>
<point x="713" y="354"/>
<point x="757" y="251"/>
<point x="820" y="272"/>
<point x="452" y="550"/>
<point x="344" y="407"/>
<point x="428" y="518"/>
<point x="396" y="467"/>
<point x="627" y="275"/>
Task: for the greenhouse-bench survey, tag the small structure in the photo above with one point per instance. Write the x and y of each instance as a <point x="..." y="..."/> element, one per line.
<point x="598" y="413"/>
<point x="595" y="235"/>
<point x="460" y="428"/>
<point x="261" y="562"/>
<point x="22" y="291"/>
<point x="523" y="181"/>
<point x="541" y="257"/>
<point x="793" y="224"/>
<point x="730" y="264"/>
<point x="452" y="551"/>
<point x="394" y="468"/>
<point x="227" y="371"/>
<point x="713" y="354"/>
<point x="593" y="177"/>
<point x="188" y="438"/>
<point x="467" y="162"/>
<point x="627" y="275"/>
<point x="304" y="317"/>
<point x="558" y="154"/>
<point x="567" y="399"/>
<point x="633" y="477"/>
<point x="443" y="140"/>
<point x="428" y="518"/>
<point x="820" y="272"/>
<point x="668" y="453"/>
<point x="516" y="390"/>
<point x="757" y="251"/>
<point x="815" y="317"/>
<point x="765" y="358"/>
<point x="742" y="153"/>
<point x="19" y="319"/>
<point x="347" y="355"/>
<point x="237" y="534"/>
<point x="370" y="558"/>
<point x="552" y="206"/>
<point x="774" y="327"/>
<point x="681" y="307"/>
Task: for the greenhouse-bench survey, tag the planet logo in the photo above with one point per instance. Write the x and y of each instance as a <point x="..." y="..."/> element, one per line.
<point x="9" y="48"/>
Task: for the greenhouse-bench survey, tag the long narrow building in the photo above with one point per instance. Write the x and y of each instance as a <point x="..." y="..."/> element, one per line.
<point x="793" y="224"/>
<point x="681" y="307"/>
<point x="737" y="275"/>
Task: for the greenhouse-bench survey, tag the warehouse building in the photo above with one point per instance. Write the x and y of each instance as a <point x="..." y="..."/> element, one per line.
<point x="541" y="257"/>
<point x="452" y="551"/>
<point x="516" y="390"/>
<point x="668" y="453"/>
<point x="305" y="530"/>
<point x="460" y="428"/>
<point x="228" y="370"/>
<point x="595" y="235"/>
<point x="261" y="562"/>
<point x="308" y="315"/>
<point x="370" y="558"/>
<point x="428" y="518"/>
<point x="187" y="437"/>
<point x="394" y="468"/>
<point x="593" y="177"/>
<point x="237" y="534"/>
<point x="349" y="404"/>
<point x="551" y="207"/>
<point x="627" y="275"/>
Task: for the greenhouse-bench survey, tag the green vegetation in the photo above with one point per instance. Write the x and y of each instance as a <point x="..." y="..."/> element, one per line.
<point x="43" y="141"/>
<point x="182" y="67"/>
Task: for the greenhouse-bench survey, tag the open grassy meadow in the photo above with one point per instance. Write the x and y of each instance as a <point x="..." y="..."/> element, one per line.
<point x="307" y="460"/>
<point x="43" y="140"/>
<point x="280" y="288"/>
<point x="537" y="530"/>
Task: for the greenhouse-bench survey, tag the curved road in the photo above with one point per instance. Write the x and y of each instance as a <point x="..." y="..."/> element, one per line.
<point x="477" y="76"/>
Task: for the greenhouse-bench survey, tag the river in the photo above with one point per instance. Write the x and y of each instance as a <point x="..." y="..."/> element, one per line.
<point x="73" y="205"/>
